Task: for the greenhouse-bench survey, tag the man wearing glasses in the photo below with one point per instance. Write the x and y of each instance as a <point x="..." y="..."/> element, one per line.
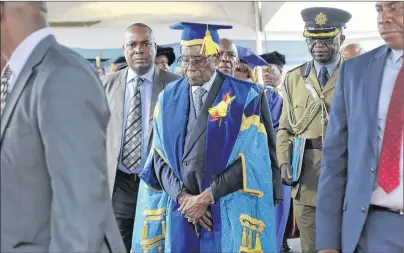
<point x="307" y="96"/>
<point x="207" y="185"/>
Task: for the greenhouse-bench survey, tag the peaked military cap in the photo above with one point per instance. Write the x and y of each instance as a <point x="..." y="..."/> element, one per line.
<point x="324" y="21"/>
<point x="274" y="58"/>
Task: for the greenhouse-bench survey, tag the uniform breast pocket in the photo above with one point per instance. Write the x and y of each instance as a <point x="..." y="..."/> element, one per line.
<point x="300" y="103"/>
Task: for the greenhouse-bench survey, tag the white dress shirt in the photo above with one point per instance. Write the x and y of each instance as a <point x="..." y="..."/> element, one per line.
<point x="206" y="86"/>
<point x="23" y="51"/>
<point x="394" y="199"/>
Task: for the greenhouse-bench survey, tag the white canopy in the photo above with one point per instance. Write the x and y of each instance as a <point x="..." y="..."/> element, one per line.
<point x="110" y="19"/>
<point x="282" y="21"/>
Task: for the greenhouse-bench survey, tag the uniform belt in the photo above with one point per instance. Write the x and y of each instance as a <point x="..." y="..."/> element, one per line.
<point x="134" y="176"/>
<point x="316" y="143"/>
<point x="382" y="208"/>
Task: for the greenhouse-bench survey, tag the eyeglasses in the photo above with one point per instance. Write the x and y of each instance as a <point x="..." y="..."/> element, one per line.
<point x="161" y="62"/>
<point x="325" y="42"/>
<point x="198" y="61"/>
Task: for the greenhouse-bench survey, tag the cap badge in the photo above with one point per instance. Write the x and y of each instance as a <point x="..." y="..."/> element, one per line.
<point x="321" y="19"/>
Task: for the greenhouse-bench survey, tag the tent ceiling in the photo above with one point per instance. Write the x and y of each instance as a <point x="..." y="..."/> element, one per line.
<point x="122" y="14"/>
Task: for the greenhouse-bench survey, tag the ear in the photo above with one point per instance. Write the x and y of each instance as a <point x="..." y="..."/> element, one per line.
<point x="342" y="39"/>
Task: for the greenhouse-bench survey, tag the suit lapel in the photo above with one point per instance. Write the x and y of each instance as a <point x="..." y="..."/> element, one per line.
<point x="372" y="86"/>
<point x="119" y="100"/>
<point x="201" y="122"/>
<point x="19" y="85"/>
<point x="312" y="79"/>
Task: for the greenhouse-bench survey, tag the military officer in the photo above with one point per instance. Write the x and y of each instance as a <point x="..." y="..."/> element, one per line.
<point x="308" y="93"/>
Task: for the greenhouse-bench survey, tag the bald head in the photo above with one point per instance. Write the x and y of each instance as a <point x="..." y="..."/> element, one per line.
<point x="18" y="21"/>
<point x="351" y="50"/>
<point x="228" y="60"/>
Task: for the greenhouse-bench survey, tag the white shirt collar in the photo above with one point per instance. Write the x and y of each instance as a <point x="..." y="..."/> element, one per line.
<point x="24" y="50"/>
<point x="207" y="85"/>
<point x="396" y="55"/>
<point x="148" y="76"/>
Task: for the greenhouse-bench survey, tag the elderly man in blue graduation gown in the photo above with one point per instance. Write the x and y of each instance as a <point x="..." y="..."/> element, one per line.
<point x="208" y="186"/>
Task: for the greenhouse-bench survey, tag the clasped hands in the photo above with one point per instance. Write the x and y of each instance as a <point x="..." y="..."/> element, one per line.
<point x="195" y="208"/>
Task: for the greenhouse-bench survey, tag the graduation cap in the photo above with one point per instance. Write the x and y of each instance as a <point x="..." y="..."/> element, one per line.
<point x="249" y="57"/>
<point x="205" y="35"/>
<point x="274" y="58"/>
<point x="168" y="52"/>
<point x="324" y="21"/>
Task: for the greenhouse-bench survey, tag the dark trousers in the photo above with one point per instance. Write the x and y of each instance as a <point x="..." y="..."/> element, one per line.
<point x="124" y="199"/>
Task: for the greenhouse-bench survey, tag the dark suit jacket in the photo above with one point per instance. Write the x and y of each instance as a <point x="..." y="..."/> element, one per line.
<point x="350" y="153"/>
<point x="114" y="85"/>
<point x="194" y="158"/>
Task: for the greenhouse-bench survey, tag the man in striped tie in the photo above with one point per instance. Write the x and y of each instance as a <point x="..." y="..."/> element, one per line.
<point x="131" y="93"/>
<point x="360" y="194"/>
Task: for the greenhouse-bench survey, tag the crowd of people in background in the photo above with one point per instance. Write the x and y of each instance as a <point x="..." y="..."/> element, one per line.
<point x="231" y="153"/>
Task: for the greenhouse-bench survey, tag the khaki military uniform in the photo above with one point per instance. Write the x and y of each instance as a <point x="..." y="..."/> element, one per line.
<point x="301" y="103"/>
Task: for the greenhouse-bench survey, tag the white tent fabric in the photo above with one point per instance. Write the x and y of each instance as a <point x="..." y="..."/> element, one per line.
<point x="281" y="20"/>
<point x="114" y="17"/>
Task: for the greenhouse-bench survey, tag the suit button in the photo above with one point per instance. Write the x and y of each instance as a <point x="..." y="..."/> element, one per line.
<point x="184" y="164"/>
<point x="363" y="210"/>
<point x="322" y="96"/>
<point x="372" y="170"/>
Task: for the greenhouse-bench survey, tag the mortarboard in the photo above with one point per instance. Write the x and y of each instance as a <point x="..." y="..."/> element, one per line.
<point x="205" y="35"/>
<point x="323" y="21"/>
<point x="167" y="51"/>
<point x="249" y="57"/>
<point x="274" y="58"/>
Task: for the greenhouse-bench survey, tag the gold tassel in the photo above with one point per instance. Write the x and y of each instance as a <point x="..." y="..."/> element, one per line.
<point x="144" y="232"/>
<point x="257" y="242"/>
<point x="244" y="238"/>
<point x="113" y="67"/>
<point x="160" y="247"/>
<point x="163" y="224"/>
<point x="208" y="45"/>
<point x="250" y="239"/>
<point x="98" y="62"/>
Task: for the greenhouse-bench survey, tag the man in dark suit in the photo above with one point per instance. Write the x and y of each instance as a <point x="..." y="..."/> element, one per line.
<point x="360" y="193"/>
<point x="54" y="188"/>
<point x="131" y="94"/>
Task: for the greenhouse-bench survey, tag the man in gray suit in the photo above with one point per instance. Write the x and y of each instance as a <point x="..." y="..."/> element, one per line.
<point x="132" y="94"/>
<point x="360" y="193"/>
<point x="54" y="188"/>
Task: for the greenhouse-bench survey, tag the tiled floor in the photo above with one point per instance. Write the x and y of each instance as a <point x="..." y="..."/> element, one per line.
<point x="295" y="245"/>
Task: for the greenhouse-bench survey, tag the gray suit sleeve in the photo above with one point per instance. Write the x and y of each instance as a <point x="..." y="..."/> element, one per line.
<point x="333" y="173"/>
<point x="166" y="177"/>
<point x="72" y="119"/>
<point x="229" y="181"/>
<point x="276" y="174"/>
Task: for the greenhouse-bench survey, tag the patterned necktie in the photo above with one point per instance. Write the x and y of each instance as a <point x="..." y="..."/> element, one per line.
<point x="131" y="156"/>
<point x="199" y="93"/>
<point x="5" y="82"/>
<point x="323" y="76"/>
<point x="389" y="167"/>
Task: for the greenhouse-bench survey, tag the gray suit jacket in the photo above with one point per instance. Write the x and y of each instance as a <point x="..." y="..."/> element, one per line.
<point x="54" y="188"/>
<point x="114" y="85"/>
<point x="350" y="153"/>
